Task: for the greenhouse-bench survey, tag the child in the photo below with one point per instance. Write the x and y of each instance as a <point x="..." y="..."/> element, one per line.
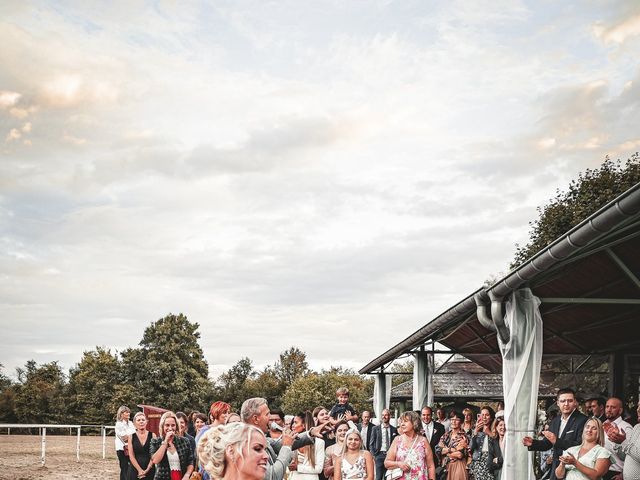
<point x="342" y="410"/>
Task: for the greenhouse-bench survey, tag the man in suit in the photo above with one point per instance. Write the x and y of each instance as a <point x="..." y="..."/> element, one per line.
<point x="366" y="429"/>
<point x="381" y="440"/>
<point x="432" y="430"/>
<point x="255" y="411"/>
<point x="595" y="408"/>
<point x="565" y="430"/>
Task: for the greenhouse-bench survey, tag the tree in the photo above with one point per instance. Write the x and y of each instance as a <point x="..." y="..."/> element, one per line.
<point x="266" y="385"/>
<point x="592" y="190"/>
<point x="233" y="383"/>
<point x="7" y="398"/>
<point x="403" y="370"/>
<point x="91" y="386"/>
<point x="315" y="389"/>
<point x="169" y="369"/>
<point x="292" y="365"/>
<point x="39" y="396"/>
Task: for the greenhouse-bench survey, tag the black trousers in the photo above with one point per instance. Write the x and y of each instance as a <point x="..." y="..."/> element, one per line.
<point x="124" y="464"/>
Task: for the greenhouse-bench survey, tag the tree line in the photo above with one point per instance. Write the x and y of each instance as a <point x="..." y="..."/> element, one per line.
<point x="167" y="369"/>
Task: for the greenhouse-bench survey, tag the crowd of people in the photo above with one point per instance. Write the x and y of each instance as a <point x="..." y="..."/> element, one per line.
<point x="335" y="444"/>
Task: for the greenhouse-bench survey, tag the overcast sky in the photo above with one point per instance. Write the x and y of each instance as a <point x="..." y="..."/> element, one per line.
<point x="325" y="174"/>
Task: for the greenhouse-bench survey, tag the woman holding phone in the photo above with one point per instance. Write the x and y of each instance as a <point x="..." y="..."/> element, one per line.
<point x="480" y="445"/>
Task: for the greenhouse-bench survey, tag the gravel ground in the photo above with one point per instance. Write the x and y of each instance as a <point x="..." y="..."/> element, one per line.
<point x="20" y="458"/>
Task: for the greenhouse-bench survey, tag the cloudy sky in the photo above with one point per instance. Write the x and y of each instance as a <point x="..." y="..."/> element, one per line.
<point x="325" y="174"/>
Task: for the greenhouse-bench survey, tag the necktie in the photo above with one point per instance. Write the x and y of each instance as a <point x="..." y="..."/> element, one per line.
<point x="386" y="437"/>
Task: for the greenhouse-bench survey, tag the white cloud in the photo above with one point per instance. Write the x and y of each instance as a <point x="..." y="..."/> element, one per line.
<point x="8" y="99"/>
<point x="256" y="164"/>
<point x="619" y="32"/>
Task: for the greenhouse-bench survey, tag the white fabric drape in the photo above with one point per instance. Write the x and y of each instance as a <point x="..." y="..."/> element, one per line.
<point x="422" y="381"/>
<point x="381" y="393"/>
<point x="521" y="362"/>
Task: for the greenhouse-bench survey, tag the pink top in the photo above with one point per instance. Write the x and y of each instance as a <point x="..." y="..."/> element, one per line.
<point x="415" y="457"/>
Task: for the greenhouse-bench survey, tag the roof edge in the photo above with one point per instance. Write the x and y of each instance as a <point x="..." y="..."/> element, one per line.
<point x="597" y="224"/>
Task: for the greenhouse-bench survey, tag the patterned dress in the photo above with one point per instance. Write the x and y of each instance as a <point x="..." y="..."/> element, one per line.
<point x="456" y="468"/>
<point x="480" y="465"/>
<point x="416" y="458"/>
<point x="357" y="470"/>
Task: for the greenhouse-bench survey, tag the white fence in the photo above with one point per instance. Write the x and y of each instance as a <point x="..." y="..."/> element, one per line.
<point x="43" y="430"/>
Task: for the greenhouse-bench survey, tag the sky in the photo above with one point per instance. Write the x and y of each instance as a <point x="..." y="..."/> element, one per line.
<point x="325" y="174"/>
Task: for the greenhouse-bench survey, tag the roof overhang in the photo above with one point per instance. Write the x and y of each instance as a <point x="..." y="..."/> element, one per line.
<point x="589" y="284"/>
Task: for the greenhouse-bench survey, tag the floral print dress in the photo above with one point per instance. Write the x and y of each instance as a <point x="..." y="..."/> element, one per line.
<point x="416" y="458"/>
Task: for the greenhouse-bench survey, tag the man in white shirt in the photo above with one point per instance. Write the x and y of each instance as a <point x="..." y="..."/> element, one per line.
<point x="442" y="419"/>
<point x="366" y="429"/>
<point x="616" y="430"/>
<point x="381" y="440"/>
<point x="432" y="430"/>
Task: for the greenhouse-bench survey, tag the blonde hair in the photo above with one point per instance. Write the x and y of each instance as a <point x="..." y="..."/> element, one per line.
<point x="342" y="391"/>
<point x="598" y="423"/>
<point x="163" y="419"/>
<point x="214" y="442"/>
<point x="351" y="431"/>
<point x="122" y="410"/>
<point x="138" y="414"/>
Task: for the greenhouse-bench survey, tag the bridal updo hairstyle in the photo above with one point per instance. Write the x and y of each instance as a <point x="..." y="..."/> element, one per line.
<point x="214" y="442"/>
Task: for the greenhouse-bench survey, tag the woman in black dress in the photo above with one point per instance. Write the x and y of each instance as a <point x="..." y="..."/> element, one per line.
<point x="138" y="445"/>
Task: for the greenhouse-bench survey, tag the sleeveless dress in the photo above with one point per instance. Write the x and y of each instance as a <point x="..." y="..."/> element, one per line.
<point x="416" y="458"/>
<point x="142" y="455"/>
<point x="357" y="470"/>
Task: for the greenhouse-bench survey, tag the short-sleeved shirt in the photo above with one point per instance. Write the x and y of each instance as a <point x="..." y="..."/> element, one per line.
<point x="340" y="409"/>
<point x="588" y="460"/>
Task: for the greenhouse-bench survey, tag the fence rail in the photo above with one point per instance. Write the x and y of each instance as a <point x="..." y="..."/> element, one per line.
<point x="43" y="429"/>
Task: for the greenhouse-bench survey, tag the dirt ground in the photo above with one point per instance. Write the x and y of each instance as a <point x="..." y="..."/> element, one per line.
<point x="20" y="458"/>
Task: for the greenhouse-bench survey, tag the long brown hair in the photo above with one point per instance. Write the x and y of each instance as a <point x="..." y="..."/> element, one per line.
<point x="308" y="451"/>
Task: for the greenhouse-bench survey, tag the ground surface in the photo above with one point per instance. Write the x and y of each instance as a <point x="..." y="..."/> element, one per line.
<point x="20" y="458"/>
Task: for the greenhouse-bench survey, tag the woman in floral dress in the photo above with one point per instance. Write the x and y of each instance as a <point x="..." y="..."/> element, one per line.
<point x="410" y="451"/>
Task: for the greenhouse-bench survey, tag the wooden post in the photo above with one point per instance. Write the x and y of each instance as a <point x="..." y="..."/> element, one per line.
<point x="78" y="446"/>
<point x="44" y="441"/>
<point x="104" y="442"/>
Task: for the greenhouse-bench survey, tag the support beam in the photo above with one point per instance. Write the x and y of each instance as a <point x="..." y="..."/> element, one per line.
<point x="623" y="267"/>
<point x="616" y="378"/>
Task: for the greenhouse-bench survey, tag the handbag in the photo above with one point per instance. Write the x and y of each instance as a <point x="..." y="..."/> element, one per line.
<point x="396" y="473"/>
<point x="393" y="474"/>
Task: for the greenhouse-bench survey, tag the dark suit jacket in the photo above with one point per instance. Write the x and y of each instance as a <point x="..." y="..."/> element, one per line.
<point x="571" y="436"/>
<point x="376" y="438"/>
<point x="367" y="441"/>
<point x="438" y="431"/>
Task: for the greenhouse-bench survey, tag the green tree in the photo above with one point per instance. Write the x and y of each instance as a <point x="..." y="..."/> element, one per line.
<point x="266" y="385"/>
<point x="232" y="386"/>
<point x="168" y="369"/>
<point x="39" y="396"/>
<point x="292" y="365"/>
<point x="91" y="386"/>
<point x="315" y="389"/>
<point x="404" y="372"/>
<point x="589" y="192"/>
<point x="7" y="398"/>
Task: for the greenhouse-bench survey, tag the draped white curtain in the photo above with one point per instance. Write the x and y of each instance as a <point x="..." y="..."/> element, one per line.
<point x="422" y="380"/>
<point x="521" y="362"/>
<point x="381" y="393"/>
